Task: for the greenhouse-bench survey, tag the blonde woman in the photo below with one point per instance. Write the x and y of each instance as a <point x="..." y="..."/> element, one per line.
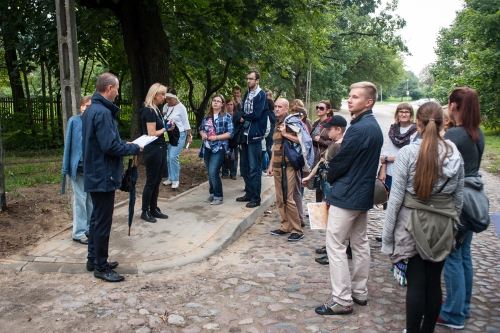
<point x="155" y="153"/>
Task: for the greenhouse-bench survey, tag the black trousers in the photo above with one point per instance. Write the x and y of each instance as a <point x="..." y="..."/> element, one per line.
<point x="155" y="160"/>
<point x="100" y="228"/>
<point x="424" y="295"/>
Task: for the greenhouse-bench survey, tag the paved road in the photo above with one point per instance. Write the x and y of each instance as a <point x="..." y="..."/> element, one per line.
<point x="260" y="283"/>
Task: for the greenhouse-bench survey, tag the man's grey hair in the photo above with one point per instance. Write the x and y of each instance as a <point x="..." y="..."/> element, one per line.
<point x="104" y="80"/>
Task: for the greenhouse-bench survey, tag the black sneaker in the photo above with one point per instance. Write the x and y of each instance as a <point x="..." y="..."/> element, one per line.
<point x="156" y="212"/>
<point x="243" y="199"/>
<point x="323" y="260"/>
<point x="146" y="216"/>
<point x="108" y="275"/>
<point x="91" y="266"/>
<point x="333" y="308"/>
<point x="359" y="301"/>
<point x="279" y="232"/>
<point x="295" y="237"/>
<point x="321" y="250"/>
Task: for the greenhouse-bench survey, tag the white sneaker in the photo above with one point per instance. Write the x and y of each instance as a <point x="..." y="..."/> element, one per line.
<point x="175" y="184"/>
<point x="216" y="202"/>
<point x="167" y="182"/>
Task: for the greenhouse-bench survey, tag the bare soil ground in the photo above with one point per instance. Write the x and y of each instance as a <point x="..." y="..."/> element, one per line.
<point x="34" y="214"/>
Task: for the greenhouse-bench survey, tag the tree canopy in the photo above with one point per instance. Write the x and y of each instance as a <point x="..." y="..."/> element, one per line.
<point x="469" y="55"/>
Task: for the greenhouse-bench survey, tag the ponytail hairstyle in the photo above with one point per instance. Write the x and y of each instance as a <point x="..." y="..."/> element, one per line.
<point x="210" y="111"/>
<point x="328" y="106"/>
<point x="467" y="111"/>
<point x="430" y="116"/>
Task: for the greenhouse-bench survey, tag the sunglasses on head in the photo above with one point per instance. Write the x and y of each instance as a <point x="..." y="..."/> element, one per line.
<point x="321" y="108"/>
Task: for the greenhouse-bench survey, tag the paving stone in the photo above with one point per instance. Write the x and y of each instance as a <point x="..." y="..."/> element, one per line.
<point x="177" y="320"/>
<point x="136" y="322"/>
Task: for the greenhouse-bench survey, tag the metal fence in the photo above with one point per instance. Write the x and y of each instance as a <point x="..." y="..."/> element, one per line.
<point x="40" y="106"/>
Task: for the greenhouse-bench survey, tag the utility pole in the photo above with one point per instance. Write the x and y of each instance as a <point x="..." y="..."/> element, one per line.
<point x="381" y="97"/>
<point x="68" y="59"/>
<point x="407" y="92"/>
<point x="308" y="91"/>
<point x="68" y="65"/>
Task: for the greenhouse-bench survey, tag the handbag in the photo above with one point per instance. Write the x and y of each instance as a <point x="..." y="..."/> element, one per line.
<point x="381" y="193"/>
<point x="128" y="180"/>
<point x="399" y="272"/>
<point x="228" y="158"/>
<point x="173" y="135"/>
<point x="295" y="158"/>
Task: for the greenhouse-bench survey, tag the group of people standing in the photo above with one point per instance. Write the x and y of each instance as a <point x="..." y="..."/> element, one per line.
<point x="428" y="164"/>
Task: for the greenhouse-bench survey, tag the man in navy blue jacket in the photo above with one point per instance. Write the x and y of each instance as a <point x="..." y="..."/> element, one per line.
<point x="352" y="173"/>
<point x="103" y="152"/>
<point x="255" y="113"/>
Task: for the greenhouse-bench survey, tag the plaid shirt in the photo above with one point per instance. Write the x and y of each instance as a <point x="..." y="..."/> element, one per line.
<point x="222" y="125"/>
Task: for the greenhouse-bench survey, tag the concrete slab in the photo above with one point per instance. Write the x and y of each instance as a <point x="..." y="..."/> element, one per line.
<point x="194" y="231"/>
<point x="45" y="267"/>
<point x="16" y="265"/>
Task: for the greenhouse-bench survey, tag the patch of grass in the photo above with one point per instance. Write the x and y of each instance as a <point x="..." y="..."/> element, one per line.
<point x="491" y="156"/>
<point x="32" y="168"/>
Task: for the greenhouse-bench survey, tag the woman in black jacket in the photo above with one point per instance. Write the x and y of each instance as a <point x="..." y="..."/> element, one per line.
<point x="154" y="153"/>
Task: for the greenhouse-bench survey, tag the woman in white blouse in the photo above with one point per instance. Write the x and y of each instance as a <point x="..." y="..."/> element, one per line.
<point x="176" y="111"/>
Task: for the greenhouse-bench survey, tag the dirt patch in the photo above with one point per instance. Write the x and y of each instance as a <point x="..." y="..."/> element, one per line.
<point x="35" y="214"/>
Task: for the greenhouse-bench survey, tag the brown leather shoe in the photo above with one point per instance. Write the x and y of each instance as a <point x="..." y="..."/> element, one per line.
<point x="233" y="177"/>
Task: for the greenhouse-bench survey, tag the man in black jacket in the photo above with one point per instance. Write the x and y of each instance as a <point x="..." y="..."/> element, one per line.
<point x="103" y="152"/>
<point x="352" y="173"/>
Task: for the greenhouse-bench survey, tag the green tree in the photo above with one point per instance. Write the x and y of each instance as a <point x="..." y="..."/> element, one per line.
<point x="469" y="55"/>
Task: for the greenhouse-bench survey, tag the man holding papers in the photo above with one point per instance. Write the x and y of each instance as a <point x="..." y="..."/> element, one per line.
<point x="103" y="152"/>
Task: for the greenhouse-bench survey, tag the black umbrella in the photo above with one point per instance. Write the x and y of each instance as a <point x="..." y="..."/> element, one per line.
<point x="284" y="182"/>
<point x="131" y="203"/>
<point x="128" y="185"/>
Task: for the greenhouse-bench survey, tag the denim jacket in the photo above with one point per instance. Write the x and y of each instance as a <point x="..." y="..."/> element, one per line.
<point x="72" y="148"/>
<point x="222" y="125"/>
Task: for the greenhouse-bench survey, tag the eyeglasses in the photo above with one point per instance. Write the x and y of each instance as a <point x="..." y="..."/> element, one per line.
<point x="216" y="101"/>
<point x="321" y="108"/>
<point x="404" y="111"/>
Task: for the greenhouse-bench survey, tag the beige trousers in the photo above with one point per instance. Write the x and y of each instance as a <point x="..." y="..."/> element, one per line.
<point x="342" y="224"/>
<point x="290" y="221"/>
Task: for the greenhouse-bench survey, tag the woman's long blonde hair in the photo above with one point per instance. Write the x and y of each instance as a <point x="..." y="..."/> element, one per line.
<point x="430" y="115"/>
<point x="156" y="88"/>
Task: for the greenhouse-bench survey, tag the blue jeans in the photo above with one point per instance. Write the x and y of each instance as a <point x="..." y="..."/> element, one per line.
<point x="213" y="162"/>
<point x="388" y="181"/>
<point x="458" y="275"/>
<point x="251" y="169"/>
<point x="173" y="153"/>
<point x="82" y="208"/>
<point x="265" y="160"/>
<point x="231" y="172"/>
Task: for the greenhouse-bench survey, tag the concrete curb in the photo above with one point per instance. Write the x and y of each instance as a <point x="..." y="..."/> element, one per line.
<point x="227" y="235"/>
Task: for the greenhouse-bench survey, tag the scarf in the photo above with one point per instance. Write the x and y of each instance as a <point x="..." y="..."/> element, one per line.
<point x="398" y="139"/>
<point x="248" y="107"/>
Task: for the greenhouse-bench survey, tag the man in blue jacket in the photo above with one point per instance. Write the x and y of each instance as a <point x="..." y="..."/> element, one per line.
<point x="255" y="115"/>
<point x="352" y="173"/>
<point x="103" y="152"/>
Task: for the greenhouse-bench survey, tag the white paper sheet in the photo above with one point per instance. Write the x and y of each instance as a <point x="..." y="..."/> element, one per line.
<point x="144" y="140"/>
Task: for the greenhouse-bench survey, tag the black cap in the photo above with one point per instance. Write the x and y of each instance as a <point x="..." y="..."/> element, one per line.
<point x="337" y="120"/>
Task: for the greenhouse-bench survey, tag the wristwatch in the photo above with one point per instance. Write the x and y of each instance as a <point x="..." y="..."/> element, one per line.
<point x="386" y="159"/>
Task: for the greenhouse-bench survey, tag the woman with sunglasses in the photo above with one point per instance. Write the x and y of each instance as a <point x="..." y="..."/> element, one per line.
<point x="154" y="153"/>
<point x="216" y="129"/>
<point x="321" y="141"/>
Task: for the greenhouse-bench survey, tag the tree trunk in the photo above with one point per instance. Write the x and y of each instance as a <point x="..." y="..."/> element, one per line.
<point x="44" y="97"/>
<point x="3" y="202"/>
<point x="297" y="89"/>
<point x="16" y="84"/>
<point x="146" y="44"/>
<point x="51" y="103"/>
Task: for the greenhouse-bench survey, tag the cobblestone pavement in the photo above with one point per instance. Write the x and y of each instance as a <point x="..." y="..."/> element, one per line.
<point x="261" y="283"/>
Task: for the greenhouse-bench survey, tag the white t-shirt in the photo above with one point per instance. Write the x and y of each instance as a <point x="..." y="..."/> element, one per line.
<point x="392" y="150"/>
<point x="179" y="115"/>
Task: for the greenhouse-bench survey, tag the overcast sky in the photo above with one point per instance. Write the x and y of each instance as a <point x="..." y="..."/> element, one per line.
<point x="424" y="19"/>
